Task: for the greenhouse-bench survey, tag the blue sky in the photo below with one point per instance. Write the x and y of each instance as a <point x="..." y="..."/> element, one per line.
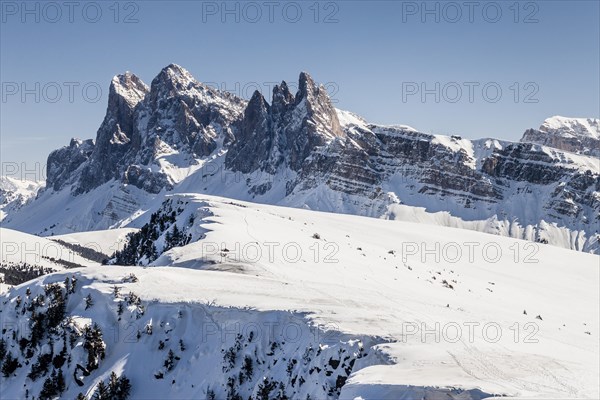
<point x="374" y="56"/>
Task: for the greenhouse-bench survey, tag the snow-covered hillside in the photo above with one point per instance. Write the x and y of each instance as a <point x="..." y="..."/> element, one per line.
<point x="24" y="257"/>
<point x="269" y="300"/>
<point x="103" y="242"/>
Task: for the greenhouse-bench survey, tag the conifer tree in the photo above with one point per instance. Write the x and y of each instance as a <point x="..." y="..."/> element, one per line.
<point x="2" y="349"/>
<point x="124" y="388"/>
<point x="60" y="381"/>
<point x="88" y="301"/>
<point x="10" y="365"/>
<point x="102" y="392"/>
<point x="170" y="361"/>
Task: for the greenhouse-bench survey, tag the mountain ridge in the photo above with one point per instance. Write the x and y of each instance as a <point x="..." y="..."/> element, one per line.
<point x="179" y="135"/>
<point x="577" y="135"/>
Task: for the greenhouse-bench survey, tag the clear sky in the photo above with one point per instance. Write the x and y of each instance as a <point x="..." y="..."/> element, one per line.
<point x="376" y="57"/>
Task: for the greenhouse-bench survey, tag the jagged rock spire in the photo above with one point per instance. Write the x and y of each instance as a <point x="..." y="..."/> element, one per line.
<point x="254" y="140"/>
<point x="292" y="127"/>
<point x="114" y="135"/>
<point x="282" y="98"/>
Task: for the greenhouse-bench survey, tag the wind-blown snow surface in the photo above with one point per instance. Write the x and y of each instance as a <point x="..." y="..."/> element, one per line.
<point x="105" y="242"/>
<point x="19" y="247"/>
<point x="367" y="290"/>
<point x="56" y="213"/>
<point x="439" y="311"/>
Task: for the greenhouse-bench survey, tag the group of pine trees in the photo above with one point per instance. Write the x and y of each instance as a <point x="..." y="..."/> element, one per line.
<point x="17" y="273"/>
<point x="141" y="244"/>
<point x="47" y="313"/>
<point x="9" y="364"/>
<point x="83" y="251"/>
<point x="117" y="388"/>
<point x="94" y="346"/>
<point x="54" y="385"/>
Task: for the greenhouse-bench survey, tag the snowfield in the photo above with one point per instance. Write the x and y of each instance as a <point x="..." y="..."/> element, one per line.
<point x="105" y="242"/>
<point x="23" y="248"/>
<point x="338" y="306"/>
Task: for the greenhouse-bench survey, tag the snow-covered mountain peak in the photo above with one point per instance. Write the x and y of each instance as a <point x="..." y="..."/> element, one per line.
<point x="301" y="151"/>
<point x="572" y="126"/>
<point x="16" y="192"/>
<point x="576" y="135"/>
<point x="128" y="87"/>
<point x="175" y="74"/>
<point x="187" y="115"/>
<point x="175" y="82"/>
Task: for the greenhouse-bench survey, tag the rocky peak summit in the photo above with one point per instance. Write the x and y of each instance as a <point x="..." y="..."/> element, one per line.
<point x="127" y="87"/>
<point x="306" y="86"/>
<point x="114" y="136"/>
<point x="288" y="131"/>
<point x="172" y="79"/>
<point x="319" y="107"/>
<point x="282" y="98"/>
<point x="576" y="135"/>
<point x="126" y="91"/>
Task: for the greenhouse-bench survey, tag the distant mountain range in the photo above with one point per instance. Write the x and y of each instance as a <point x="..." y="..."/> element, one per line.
<point x="14" y="193"/>
<point x="179" y="135"/>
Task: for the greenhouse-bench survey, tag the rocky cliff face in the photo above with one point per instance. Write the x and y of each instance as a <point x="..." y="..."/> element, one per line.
<point x="472" y="179"/>
<point x="113" y="140"/>
<point x="286" y="133"/>
<point x="181" y="114"/>
<point x="64" y="165"/>
<point x="176" y="116"/>
<point x="300" y="151"/>
<point x="576" y="135"/>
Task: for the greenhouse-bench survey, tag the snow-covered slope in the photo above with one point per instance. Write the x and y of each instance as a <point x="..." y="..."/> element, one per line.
<point x="24" y="256"/>
<point x="55" y="213"/>
<point x="16" y="192"/>
<point x="105" y="242"/>
<point x="338" y="305"/>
